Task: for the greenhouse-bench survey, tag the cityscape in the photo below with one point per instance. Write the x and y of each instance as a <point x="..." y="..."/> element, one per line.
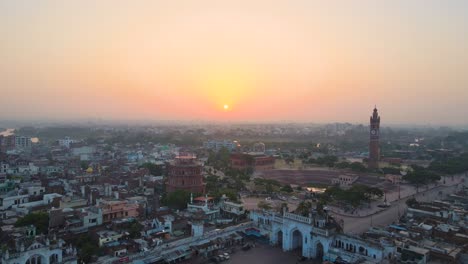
<point x="263" y="132"/>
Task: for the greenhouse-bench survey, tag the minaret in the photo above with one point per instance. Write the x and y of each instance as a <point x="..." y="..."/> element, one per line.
<point x="374" y="148"/>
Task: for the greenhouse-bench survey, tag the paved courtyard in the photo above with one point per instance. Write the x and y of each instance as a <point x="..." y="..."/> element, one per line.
<point x="263" y="254"/>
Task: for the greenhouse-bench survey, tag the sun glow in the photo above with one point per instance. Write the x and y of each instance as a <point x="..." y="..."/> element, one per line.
<point x="226" y="107"/>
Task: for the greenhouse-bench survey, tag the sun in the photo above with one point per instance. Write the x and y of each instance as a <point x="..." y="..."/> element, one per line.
<point x="226" y="107"/>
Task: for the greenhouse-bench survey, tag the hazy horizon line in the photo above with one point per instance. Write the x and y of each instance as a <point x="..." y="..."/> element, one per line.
<point x="114" y="121"/>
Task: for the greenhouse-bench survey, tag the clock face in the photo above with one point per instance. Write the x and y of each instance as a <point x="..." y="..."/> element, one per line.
<point x="373" y="132"/>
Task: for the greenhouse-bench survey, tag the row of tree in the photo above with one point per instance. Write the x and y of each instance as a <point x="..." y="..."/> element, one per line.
<point x="354" y="196"/>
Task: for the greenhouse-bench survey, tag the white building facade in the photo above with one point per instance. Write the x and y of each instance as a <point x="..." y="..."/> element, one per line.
<point x="318" y="238"/>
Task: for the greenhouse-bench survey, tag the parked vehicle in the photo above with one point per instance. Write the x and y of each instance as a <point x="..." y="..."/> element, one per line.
<point x="246" y="247"/>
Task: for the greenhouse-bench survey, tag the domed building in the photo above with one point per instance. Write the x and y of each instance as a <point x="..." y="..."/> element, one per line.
<point x="259" y="147"/>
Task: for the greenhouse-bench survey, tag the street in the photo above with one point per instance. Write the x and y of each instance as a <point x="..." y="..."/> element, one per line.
<point x="360" y="224"/>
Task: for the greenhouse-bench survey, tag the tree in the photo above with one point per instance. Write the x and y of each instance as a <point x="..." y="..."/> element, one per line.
<point x="420" y="176"/>
<point x="84" y="165"/>
<point x="231" y="194"/>
<point x="412" y="202"/>
<point x="287" y="188"/>
<point x="269" y="188"/>
<point x="264" y="205"/>
<point x="87" y="248"/>
<point x="39" y="219"/>
<point x="177" y="199"/>
<point x="357" y="167"/>
<point x="354" y="196"/>
<point x="135" y="229"/>
<point x="220" y="159"/>
<point x="342" y="165"/>
<point x="153" y="169"/>
<point x="304" y="208"/>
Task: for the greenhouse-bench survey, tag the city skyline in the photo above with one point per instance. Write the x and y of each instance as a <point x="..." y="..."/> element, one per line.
<point x="265" y="61"/>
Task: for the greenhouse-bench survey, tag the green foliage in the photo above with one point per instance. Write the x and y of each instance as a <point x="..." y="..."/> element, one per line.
<point x="230" y="193"/>
<point x="177" y="199"/>
<point x="238" y="174"/>
<point x="287" y="188"/>
<point x="84" y="165"/>
<point x="264" y="205"/>
<point x="342" y="165"/>
<point x="328" y="161"/>
<point x="219" y="160"/>
<point x="355" y="166"/>
<point x="269" y="185"/>
<point x="354" y="196"/>
<point x="304" y="208"/>
<point x="412" y="202"/>
<point x="450" y="165"/>
<point x="212" y="182"/>
<point x="260" y="181"/>
<point x="87" y="248"/>
<point x="420" y="176"/>
<point x="154" y="169"/>
<point x="39" y="219"/>
<point x="135" y="229"/>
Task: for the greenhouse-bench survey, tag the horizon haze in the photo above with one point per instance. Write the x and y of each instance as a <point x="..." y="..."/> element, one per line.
<point x="248" y="61"/>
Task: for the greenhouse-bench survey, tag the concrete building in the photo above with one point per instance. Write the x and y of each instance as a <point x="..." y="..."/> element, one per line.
<point x="117" y="209"/>
<point x="66" y="142"/>
<point x="216" y="145"/>
<point x="31" y="249"/>
<point x="22" y="142"/>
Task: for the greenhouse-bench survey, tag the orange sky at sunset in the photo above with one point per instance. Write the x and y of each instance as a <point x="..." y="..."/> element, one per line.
<point x="308" y="61"/>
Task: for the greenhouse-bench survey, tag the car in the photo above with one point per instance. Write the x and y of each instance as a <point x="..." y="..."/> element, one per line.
<point x="226" y="255"/>
<point x="294" y="198"/>
<point x="301" y="258"/>
<point x="268" y="199"/>
<point x="246" y="247"/>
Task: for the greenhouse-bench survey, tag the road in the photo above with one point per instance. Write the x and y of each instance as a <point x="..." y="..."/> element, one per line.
<point x="359" y="225"/>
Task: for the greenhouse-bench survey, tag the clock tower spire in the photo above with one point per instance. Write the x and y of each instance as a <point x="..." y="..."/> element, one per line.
<point x="374" y="148"/>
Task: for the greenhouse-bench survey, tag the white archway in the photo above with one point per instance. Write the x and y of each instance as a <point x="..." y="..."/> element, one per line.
<point x="37" y="259"/>
<point x="319" y="251"/>
<point x="296" y="239"/>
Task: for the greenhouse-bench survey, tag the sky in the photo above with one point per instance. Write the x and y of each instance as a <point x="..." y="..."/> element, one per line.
<point x="267" y="60"/>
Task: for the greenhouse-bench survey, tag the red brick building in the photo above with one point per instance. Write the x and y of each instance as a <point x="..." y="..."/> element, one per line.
<point x="185" y="173"/>
<point x="241" y="161"/>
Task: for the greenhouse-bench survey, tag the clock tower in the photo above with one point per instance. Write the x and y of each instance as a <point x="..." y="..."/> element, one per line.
<point x="374" y="148"/>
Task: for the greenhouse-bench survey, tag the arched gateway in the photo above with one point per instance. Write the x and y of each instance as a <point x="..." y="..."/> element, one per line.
<point x="318" y="236"/>
<point x="296" y="232"/>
